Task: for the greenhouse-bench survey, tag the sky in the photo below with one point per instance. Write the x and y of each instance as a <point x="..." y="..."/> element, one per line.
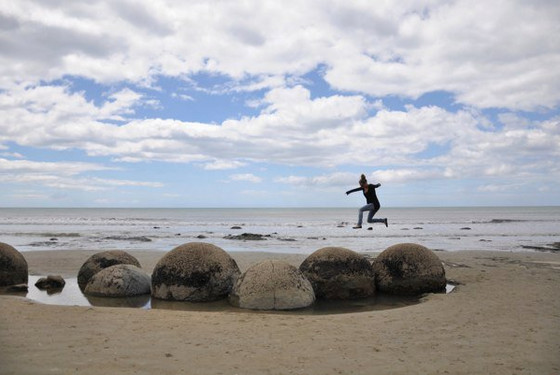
<point x="257" y="103"/>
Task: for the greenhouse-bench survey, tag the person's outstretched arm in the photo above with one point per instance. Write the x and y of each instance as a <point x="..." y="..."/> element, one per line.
<point x="377" y="185"/>
<point x="354" y="190"/>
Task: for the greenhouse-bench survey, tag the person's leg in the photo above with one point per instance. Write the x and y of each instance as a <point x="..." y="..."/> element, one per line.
<point x="371" y="220"/>
<point x="372" y="212"/>
<point x="367" y="207"/>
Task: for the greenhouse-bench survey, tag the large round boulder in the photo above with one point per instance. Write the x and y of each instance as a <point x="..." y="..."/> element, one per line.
<point x="102" y="260"/>
<point x="13" y="266"/>
<point x="409" y="269"/>
<point x="339" y="273"/>
<point x="272" y="285"/>
<point x="196" y="272"/>
<point x="120" y="280"/>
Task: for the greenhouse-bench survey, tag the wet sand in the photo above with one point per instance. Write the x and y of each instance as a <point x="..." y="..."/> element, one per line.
<point x="503" y="318"/>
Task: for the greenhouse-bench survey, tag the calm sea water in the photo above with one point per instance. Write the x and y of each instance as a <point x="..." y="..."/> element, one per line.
<point x="287" y="230"/>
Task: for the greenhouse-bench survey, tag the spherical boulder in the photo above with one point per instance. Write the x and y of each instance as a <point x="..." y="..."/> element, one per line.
<point x="272" y="285"/>
<point x="196" y="272"/>
<point x="13" y="266"/>
<point x="339" y="273"/>
<point x="409" y="269"/>
<point x="120" y="280"/>
<point x="102" y="260"/>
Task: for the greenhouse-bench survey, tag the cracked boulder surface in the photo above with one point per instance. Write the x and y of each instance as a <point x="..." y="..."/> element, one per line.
<point x="120" y="280"/>
<point x="196" y="272"/>
<point x="272" y="285"/>
<point x="409" y="269"/>
<point x="102" y="260"/>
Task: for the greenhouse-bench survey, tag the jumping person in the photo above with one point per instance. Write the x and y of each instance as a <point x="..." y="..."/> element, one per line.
<point x="372" y="203"/>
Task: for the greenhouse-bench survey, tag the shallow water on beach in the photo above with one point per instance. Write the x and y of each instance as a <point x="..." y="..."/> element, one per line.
<point x="282" y="230"/>
<point x="71" y="295"/>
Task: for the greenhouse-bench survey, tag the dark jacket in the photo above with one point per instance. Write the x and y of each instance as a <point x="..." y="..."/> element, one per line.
<point x="371" y="196"/>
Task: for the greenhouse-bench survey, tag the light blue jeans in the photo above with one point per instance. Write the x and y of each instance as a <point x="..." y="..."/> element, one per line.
<point x="372" y="210"/>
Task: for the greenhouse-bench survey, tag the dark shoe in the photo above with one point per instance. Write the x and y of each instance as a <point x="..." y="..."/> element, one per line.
<point x="357" y="227"/>
<point x="386" y="222"/>
<point x="370" y="228"/>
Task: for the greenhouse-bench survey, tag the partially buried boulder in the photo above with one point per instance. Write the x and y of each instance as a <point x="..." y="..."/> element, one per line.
<point x="102" y="260"/>
<point x="409" y="269"/>
<point x="120" y="280"/>
<point x="196" y="272"/>
<point x="339" y="273"/>
<point x="13" y="266"/>
<point x="272" y="285"/>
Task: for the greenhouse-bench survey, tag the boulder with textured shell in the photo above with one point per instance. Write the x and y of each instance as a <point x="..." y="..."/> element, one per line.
<point x="120" y="280"/>
<point x="339" y="273"/>
<point x="409" y="269"/>
<point x="13" y="266"/>
<point x="272" y="285"/>
<point x="102" y="260"/>
<point x="196" y="272"/>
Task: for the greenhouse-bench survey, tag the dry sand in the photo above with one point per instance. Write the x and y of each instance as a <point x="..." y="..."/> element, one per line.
<point x="504" y="318"/>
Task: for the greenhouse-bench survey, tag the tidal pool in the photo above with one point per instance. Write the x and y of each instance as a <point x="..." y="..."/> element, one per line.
<point x="71" y="295"/>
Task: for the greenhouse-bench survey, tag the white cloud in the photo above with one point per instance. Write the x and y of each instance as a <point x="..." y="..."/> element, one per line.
<point x="501" y="55"/>
<point x="62" y="175"/>
<point x="54" y="117"/>
<point x="405" y="175"/>
<point x="15" y="155"/>
<point x="292" y="129"/>
<point x="329" y="180"/>
<point x="498" y="54"/>
<point x="104" y="182"/>
<point x="490" y="55"/>
<point x="499" y="188"/>
<point x="63" y="182"/>
<point x="61" y="168"/>
<point x="223" y="164"/>
<point x="184" y="97"/>
<point x="121" y="102"/>
<point x="249" y="177"/>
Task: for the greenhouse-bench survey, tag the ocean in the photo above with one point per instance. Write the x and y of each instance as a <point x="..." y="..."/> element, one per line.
<point x="282" y="230"/>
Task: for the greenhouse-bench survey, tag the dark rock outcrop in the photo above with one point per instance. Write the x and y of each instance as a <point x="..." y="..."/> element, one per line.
<point x="51" y="282"/>
<point x="247" y="237"/>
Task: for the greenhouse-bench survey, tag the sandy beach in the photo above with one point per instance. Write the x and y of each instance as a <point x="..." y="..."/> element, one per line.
<point x="502" y="318"/>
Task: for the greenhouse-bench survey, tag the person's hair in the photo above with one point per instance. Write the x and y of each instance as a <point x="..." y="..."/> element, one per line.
<point x="363" y="179"/>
